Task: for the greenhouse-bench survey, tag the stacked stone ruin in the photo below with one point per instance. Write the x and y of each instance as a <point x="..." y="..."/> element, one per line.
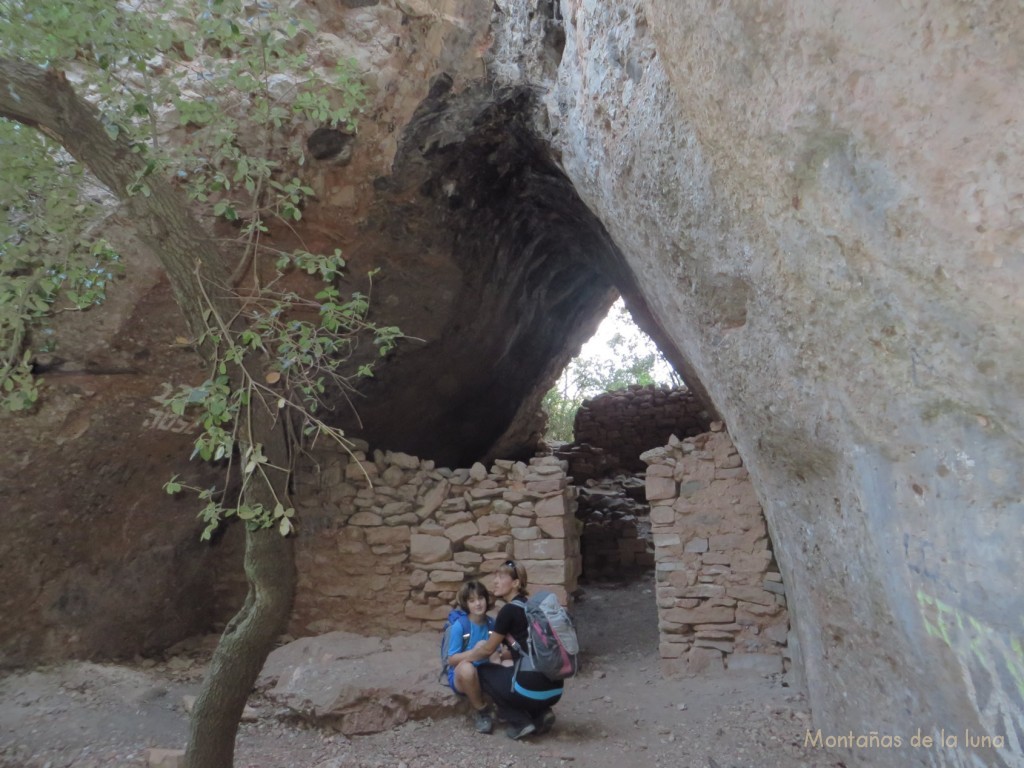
<point x="612" y="429"/>
<point x="385" y="541"/>
<point x="616" y="543"/>
<point x="721" y="601"/>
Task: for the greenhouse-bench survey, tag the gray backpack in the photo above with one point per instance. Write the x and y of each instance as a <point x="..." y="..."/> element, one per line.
<point x="554" y="648"/>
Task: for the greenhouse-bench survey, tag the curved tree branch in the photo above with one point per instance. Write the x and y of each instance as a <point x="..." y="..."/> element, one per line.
<point x="44" y="99"/>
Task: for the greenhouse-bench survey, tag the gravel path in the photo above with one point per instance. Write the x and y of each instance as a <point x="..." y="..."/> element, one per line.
<point x="618" y="712"/>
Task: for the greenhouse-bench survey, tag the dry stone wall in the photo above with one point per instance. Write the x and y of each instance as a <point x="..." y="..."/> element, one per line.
<point x="721" y="601"/>
<point x="616" y="541"/>
<point x="386" y="539"/>
<point x="612" y="430"/>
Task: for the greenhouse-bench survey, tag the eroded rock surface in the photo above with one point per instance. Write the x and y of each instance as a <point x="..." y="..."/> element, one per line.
<point x="356" y="684"/>
<point x="815" y="210"/>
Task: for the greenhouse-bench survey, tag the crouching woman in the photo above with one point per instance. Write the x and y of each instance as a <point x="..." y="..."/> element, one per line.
<point x="524" y="697"/>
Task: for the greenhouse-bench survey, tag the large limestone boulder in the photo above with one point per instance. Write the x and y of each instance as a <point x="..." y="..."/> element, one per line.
<point x="357" y="684"/>
<point x="822" y="203"/>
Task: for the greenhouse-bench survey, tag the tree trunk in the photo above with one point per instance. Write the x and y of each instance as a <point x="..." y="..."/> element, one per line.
<point x="43" y="99"/>
<point x="249" y="637"/>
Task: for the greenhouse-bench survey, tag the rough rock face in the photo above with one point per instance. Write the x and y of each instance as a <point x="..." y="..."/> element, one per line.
<point x="814" y="209"/>
<point x="357" y="684"/>
<point x="822" y="207"/>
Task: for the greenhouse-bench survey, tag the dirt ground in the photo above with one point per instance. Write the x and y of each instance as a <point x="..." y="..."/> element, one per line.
<point x="618" y="712"/>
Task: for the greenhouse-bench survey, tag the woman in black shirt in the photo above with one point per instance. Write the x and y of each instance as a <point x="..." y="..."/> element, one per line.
<point x="524" y="697"/>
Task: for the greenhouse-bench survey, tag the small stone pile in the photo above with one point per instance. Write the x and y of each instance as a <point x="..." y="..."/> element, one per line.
<point x="721" y="601"/>
<point x="614" y="428"/>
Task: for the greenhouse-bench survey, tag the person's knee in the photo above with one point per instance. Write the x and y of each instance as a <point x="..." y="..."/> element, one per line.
<point x="465" y="673"/>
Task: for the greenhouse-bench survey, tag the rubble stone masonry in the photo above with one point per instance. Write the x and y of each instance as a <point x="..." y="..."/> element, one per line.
<point x="385" y="541"/>
<point x="721" y="601"/>
<point x="611" y="430"/>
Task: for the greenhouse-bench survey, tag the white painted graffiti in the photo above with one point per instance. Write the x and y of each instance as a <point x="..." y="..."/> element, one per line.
<point x="165" y="421"/>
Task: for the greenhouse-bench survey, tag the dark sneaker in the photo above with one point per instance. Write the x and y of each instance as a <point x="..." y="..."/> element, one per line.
<point x="482" y="721"/>
<point x="517" y="733"/>
<point x="544" y="722"/>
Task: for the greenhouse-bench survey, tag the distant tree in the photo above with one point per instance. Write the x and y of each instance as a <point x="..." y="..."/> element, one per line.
<point x="232" y="84"/>
<point x="631" y="359"/>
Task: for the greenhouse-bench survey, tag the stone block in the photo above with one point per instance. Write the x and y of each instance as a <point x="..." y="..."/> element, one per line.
<point x="403" y="460"/>
<point x="454" y="518"/>
<point x="696" y="545"/>
<point x="668" y="553"/>
<point x="666" y="540"/>
<point x="526" y="534"/>
<point x="725" y="646"/>
<point x="501" y="507"/>
<point x="545" y="571"/>
<point x="751" y="595"/>
<point x="552" y="527"/>
<point x="717" y="558"/>
<point x="432" y="499"/>
<point x="391" y="535"/>
<point x="726" y="601"/>
<point x="747" y="563"/>
<point x="704" y="662"/>
<point x="366" y="518"/>
<point x="446" y="577"/>
<point x="756" y="609"/>
<point x="494" y="523"/>
<point x="484" y="544"/>
<point x="662" y="515"/>
<point x="683" y="578"/>
<point x="690" y="487"/>
<point x="547" y="549"/>
<point x="468" y="559"/>
<point x="672" y="650"/>
<point x="462" y="531"/>
<point x="714" y="634"/>
<point x="407" y="519"/>
<point x="429" y="549"/>
<point x="357" y="472"/>
<point x="705" y="590"/>
<point x="701" y="615"/>
<point x="550" y="506"/>
<point x="658" y="488"/>
<point x="393" y="476"/>
<point x="547" y="485"/>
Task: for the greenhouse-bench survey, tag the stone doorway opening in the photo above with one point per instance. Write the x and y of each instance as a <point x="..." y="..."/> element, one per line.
<point x="616" y="399"/>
